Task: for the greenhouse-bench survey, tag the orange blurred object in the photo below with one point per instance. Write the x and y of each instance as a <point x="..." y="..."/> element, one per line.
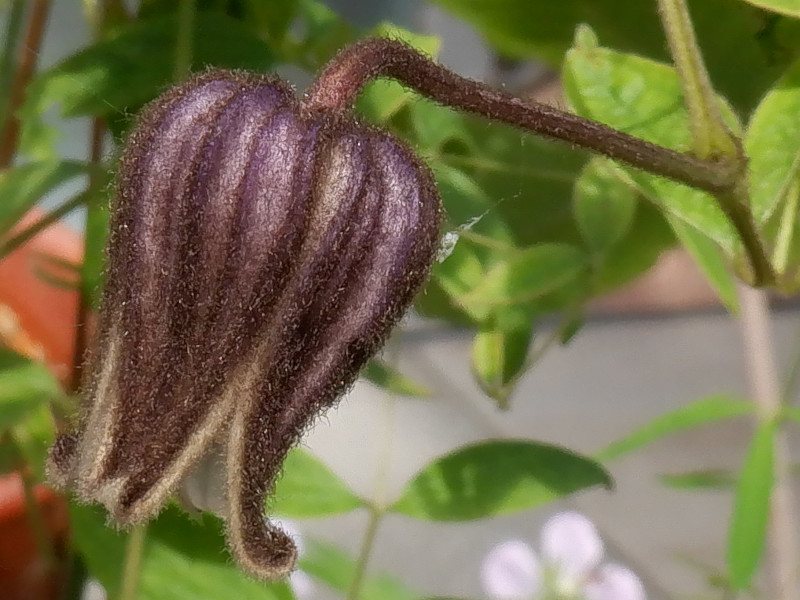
<point x="38" y="310"/>
<point x="24" y="574"/>
<point x="38" y="295"/>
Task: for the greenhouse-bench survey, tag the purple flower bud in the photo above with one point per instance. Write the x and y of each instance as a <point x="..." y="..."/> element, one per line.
<point x="258" y="257"/>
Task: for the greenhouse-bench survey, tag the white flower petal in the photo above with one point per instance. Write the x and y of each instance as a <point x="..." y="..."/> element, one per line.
<point x="511" y="571"/>
<point x="93" y="590"/>
<point x="614" y="582"/>
<point x="571" y="544"/>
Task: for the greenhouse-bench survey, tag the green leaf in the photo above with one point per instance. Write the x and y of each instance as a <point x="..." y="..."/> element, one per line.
<point x="325" y="33"/>
<point x="731" y="35"/>
<point x="644" y="98"/>
<point x="773" y="145"/>
<point x="23" y="186"/>
<point x="604" y="205"/>
<point x="471" y="210"/>
<point x="528" y="181"/>
<point x="335" y="568"/>
<point x="497" y="478"/>
<point x="273" y="17"/>
<point x="647" y="238"/>
<point x="308" y="488"/>
<point x="695" y="414"/>
<point x="182" y="559"/>
<point x="391" y="379"/>
<point x="785" y="7"/>
<point x="708" y="479"/>
<point x="25" y="385"/>
<point x="122" y="73"/>
<point x="748" y="526"/>
<point x="499" y="351"/>
<point x="791" y="412"/>
<point x="33" y="437"/>
<point x="526" y="276"/>
<point x="434" y="126"/>
<point x="94" y="256"/>
<point x="710" y="259"/>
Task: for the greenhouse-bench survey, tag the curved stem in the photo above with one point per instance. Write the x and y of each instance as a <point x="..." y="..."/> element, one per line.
<point x="341" y="81"/>
<point x="735" y="206"/>
<point x="375" y="517"/>
<point x="709" y="132"/>
<point x="132" y="567"/>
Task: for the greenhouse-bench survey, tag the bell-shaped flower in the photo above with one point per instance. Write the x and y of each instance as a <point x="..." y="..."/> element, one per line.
<point x="259" y="255"/>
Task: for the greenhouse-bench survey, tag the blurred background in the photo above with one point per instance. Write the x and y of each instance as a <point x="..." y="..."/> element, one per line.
<point x="644" y="350"/>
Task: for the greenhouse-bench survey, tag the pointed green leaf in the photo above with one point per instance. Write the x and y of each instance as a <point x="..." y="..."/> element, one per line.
<point x="498" y="356"/>
<point x="644" y="98"/>
<point x="527" y="275"/>
<point x="604" y="205"/>
<point x="709" y="257"/>
<point x="308" y="488"/>
<point x="497" y="478"/>
<point x="773" y="145"/>
<point x="120" y="74"/>
<point x="695" y="414"/>
<point x="391" y="379"/>
<point x="23" y="186"/>
<point x="748" y="526"/>
<point x="790" y="8"/>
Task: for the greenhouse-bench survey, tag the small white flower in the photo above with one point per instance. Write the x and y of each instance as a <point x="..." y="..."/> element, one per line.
<point x="511" y="571"/>
<point x="569" y="568"/>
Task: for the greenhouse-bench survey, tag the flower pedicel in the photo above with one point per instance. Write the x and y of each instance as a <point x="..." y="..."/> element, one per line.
<point x="261" y="249"/>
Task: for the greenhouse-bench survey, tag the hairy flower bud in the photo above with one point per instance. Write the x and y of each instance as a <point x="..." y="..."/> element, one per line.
<point x="259" y="255"/>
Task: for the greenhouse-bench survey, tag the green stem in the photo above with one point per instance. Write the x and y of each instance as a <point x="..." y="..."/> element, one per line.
<point x="711" y="136"/>
<point x="132" y="567"/>
<point x="16" y="16"/>
<point x="9" y="245"/>
<point x="377" y="508"/>
<point x="375" y="517"/>
<point x="183" y="44"/>
<point x="36" y="519"/>
<point x="763" y="381"/>
<point x="735" y="205"/>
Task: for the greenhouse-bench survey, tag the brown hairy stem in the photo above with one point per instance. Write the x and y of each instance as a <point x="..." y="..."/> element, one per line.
<point x="342" y="80"/>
